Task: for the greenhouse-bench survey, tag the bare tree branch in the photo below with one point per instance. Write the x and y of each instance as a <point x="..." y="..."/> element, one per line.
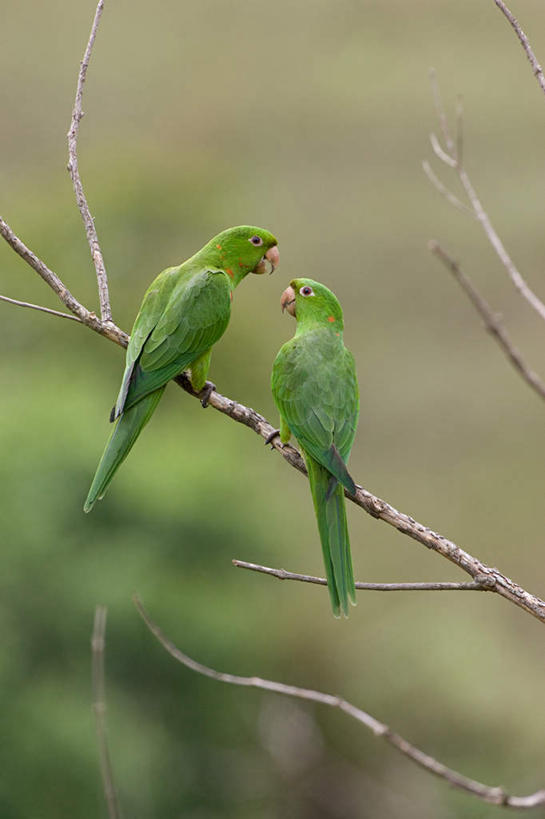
<point x="491" y="321"/>
<point x="39" y="307"/>
<point x="494" y="795"/>
<point x="85" y="316"/>
<point x="99" y="708"/>
<point x="282" y="574"/>
<point x="452" y="157"/>
<point x="77" y="114"/>
<point x="536" y="68"/>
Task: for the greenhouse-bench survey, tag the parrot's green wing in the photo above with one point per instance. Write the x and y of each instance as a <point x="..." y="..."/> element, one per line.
<point x="314" y="385"/>
<point x="169" y="336"/>
<point x="155" y="299"/>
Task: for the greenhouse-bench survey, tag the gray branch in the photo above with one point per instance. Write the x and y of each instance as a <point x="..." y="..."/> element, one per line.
<point x="40" y="308"/>
<point x="86" y="317"/>
<point x="525" y="43"/>
<point x="282" y="574"/>
<point x="494" y="795"/>
<point x="491" y="321"/>
<point x="88" y="221"/>
<point x="451" y="155"/>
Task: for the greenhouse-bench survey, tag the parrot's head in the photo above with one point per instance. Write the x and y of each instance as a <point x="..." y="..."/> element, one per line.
<point x="244" y="249"/>
<point x="308" y="300"/>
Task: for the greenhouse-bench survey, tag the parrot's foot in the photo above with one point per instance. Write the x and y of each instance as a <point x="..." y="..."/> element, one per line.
<point x="206" y="392"/>
<point x="270" y="438"/>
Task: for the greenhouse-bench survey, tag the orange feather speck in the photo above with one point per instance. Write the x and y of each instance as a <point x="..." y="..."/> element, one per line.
<point x="218" y="247"/>
<point x="229" y="271"/>
<point x="330" y="318"/>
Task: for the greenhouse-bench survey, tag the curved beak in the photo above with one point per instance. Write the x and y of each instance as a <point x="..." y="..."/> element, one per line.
<point x="269" y="262"/>
<point x="287" y="300"/>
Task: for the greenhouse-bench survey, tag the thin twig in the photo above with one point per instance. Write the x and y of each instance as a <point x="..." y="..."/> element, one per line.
<point x="444" y="191"/>
<point x="536" y="68"/>
<point x="491" y="321"/>
<point x="452" y="158"/>
<point x="40" y="308"/>
<point x="494" y="795"/>
<point x="440" y="152"/>
<point x="282" y="574"/>
<point x="88" y="221"/>
<point x="99" y="708"/>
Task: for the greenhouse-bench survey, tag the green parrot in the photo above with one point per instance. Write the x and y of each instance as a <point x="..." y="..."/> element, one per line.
<point x="315" y="389"/>
<point x="185" y="311"/>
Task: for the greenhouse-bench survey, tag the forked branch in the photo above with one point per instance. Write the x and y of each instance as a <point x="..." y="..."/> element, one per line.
<point x="492" y="322"/>
<point x="487" y="793"/>
<point x="451" y="155"/>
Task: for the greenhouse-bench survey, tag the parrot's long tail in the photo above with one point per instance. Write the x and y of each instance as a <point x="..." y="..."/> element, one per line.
<point x="126" y="431"/>
<point x="331" y="515"/>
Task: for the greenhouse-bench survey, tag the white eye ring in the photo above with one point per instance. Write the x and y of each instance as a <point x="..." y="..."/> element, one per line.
<point x="257" y="241"/>
<point x="306" y="291"/>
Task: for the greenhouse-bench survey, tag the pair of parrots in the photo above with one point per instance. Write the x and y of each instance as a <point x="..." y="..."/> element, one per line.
<point x="185" y="311"/>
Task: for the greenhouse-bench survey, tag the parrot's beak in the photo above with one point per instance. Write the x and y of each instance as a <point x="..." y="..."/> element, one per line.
<point x="287" y="301"/>
<point x="269" y="262"/>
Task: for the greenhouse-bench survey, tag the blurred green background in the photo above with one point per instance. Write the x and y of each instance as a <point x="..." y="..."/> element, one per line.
<point x="311" y="119"/>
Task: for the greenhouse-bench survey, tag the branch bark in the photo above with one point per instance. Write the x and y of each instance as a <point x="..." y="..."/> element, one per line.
<point x="109" y="330"/>
<point x="40" y="308"/>
<point x="494" y="795"/>
<point x="525" y="43"/>
<point x="451" y="155"/>
<point x="77" y="114"/>
<point x="491" y="321"/>
<point x="282" y="574"/>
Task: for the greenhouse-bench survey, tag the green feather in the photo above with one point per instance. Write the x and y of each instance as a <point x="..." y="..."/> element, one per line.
<point x="127" y="429"/>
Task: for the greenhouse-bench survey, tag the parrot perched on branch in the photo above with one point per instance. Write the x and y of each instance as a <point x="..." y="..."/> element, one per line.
<point x="185" y="311"/>
<point x="315" y="389"/>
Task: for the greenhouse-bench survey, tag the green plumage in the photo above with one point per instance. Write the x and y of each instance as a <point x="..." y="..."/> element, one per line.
<point x="315" y="388"/>
<point x="185" y="311"/>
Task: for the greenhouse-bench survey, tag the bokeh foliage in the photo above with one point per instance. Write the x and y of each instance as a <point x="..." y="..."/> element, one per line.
<point x="310" y="119"/>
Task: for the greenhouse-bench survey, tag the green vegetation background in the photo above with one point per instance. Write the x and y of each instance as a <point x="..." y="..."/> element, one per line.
<point x="311" y="119"/>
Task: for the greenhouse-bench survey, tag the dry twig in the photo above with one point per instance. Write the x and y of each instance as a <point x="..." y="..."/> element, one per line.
<point x="525" y="43"/>
<point x="494" y="795"/>
<point x="85" y="316"/>
<point x="451" y="155"/>
<point x="282" y="574"/>
<point x="40" y="308"/>
<point x="491" y="321"/>
<point x="77" y="114"/>
<point x="99" y="708"/>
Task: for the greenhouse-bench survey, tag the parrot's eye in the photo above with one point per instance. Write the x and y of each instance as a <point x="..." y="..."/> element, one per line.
<point x="256" y="240"/>
<point x="306" y="291"/>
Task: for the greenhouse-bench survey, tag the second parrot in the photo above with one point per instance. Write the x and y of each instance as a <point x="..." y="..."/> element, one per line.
<point x="315" y="388"/>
